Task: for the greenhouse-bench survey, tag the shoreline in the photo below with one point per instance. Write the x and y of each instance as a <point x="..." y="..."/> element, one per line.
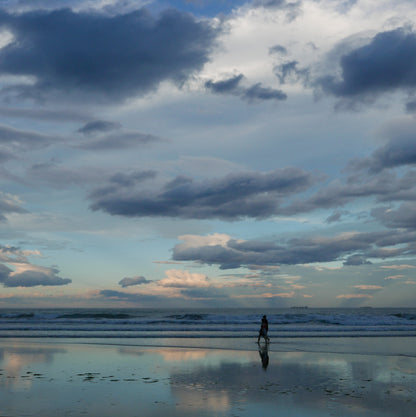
<point x="106" y="379"/>
<point x="360" y="345"/>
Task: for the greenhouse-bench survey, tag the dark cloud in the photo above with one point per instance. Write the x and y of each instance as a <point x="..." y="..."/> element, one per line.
<point x="121" y="183"/>
<point x="98" y="126"/>
<point x="4" y="272"/>
<point x="108" y="56"/>
<point x="235" y="196"/>
<point x="411" y="106"/>
<point x="381" y="176"/>
<point x="399" y="151"/>
<point x="229" y="85"/>
<point x="257" y="92"/>
<point x="106" y="135"/>
<point x="386" y="186"/>
<point x="127" y="282"/>
<point x="335" y="216"/>
<point x="278" y="49"/>
<point x="356" y="260"/>
<point x="33" y="278"/>
<point x="353" y="249"/>
<point x="131" y="297"/>
<point x="292" y="9"/>
<point x="290" y="72"/>
<point x="386" y="63"/>
<point x="253" y="93"/>
<point x="403" y="217"/>
<point x="12" y="254"/>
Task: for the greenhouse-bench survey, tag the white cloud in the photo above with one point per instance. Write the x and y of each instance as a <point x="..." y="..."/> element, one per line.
<point x="398" y="267"/>
<point x="394" y="277"/>
<point x="368" y="287"/>
<point x="352" y="296"/>
<point x="195" y="241"/>
<point x="182" y="279"/>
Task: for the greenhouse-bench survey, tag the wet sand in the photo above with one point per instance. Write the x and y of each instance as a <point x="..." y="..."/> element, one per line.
<point x="293" y="378"/>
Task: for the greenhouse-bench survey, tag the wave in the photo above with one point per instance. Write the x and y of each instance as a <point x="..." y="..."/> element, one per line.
<point x="237" y="323"/>
<point x="95" y="316"/>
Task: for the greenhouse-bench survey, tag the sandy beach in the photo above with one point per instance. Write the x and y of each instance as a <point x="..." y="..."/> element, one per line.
<point x="66" y="378"/>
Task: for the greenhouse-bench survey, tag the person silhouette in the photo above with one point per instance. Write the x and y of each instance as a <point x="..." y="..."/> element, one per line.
<point x="263" y="330"/>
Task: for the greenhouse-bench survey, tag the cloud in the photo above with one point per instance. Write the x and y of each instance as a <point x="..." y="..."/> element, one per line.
<point x="292" y="9"/>
<point x="368" y="287"/>
<point x="35" y="278"/>
<point x="4" y="272"/>
<point x="45" y="114"/>
<point x="355" y="247"/>
<point x="14" y="141"/>
<point x="386" y="186"/>
<point x="113" y="57"/>
<point x="279" y="192"/>
<point x="130" y="297"/>
<point x="139" y="280"/>
<point x="353" y="296"/>
<point x="356" y="260"/>
<point x="228" y="85"/>
<point x="268" y="295"/>
<point x="386" y="63"/>
<point x="105" y="135"/>
<point x="399" y="151"/>
<point x="247" y="194"/>
<point x="9" y="204"/>
<point x="54" y="173"/>
<point x="120" y="140"/>
<point x="402" y="217"/>
<point x="278" y="49"/>
<point x="98" y="126"/>
<point x="335" y="216"/>
<point x="289" y="72"/>
<point x="394" y="277"/>
<point x="203" y="293"/>
<point x="182" y="279"/>
<point x="398" y="267"/>
<point x="256" y="92"/>
<point x="411" y="106"/>
<point x="31" y="276"/>
<point x="26" y="274"/>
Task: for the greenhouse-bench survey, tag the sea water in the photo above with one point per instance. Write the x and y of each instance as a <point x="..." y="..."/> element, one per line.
<point x="206" y="323"/>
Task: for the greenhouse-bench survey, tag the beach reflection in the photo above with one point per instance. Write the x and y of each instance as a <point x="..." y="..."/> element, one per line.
<point x="104" y="381"/>
<point x="16" y="360"/>
<point x="169" y="355"/>
<point x="307" y="382"/>
<point x="264" y="355"/>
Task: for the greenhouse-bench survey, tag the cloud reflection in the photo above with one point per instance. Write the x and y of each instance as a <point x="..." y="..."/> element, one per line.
<point x="15" y="360"/>
<point x="310" y="380"/>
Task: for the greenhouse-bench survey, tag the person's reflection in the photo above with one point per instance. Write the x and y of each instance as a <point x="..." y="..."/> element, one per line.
<point x="264" y="355"/>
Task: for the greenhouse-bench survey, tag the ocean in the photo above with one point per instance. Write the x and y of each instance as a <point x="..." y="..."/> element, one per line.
<point x="206" y="323"/>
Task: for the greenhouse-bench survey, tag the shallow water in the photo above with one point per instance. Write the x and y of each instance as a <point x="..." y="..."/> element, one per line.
<point x="56" y="378"/>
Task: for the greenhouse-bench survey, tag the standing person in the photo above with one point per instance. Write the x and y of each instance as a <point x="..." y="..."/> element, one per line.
<point x="264" y="329"/>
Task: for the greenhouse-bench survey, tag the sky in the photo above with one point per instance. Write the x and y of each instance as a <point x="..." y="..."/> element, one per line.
<point x="207" y="153"/>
